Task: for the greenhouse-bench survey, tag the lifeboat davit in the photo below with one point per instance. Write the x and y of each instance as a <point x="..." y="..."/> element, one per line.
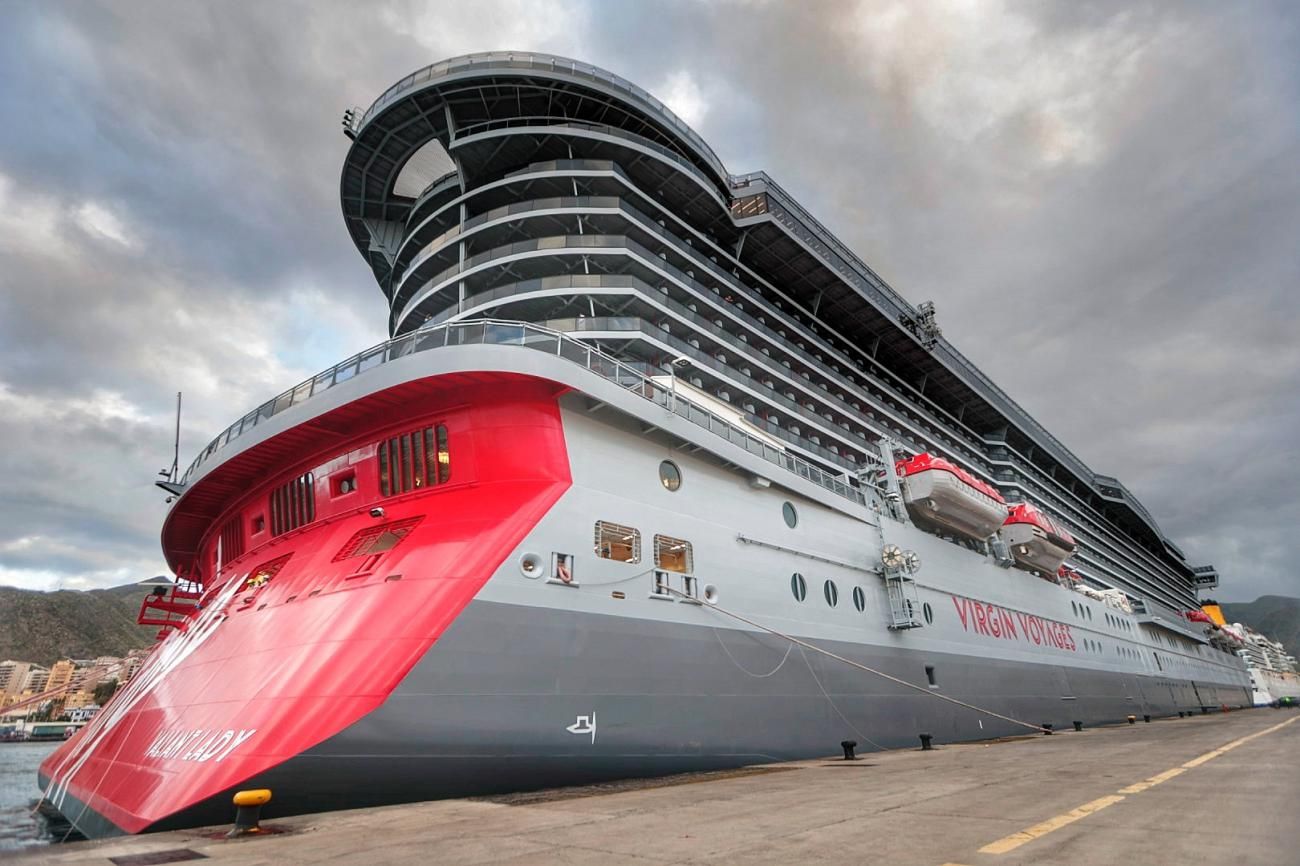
<point x="942" y="495"/>
<point x="1036" y="541"/>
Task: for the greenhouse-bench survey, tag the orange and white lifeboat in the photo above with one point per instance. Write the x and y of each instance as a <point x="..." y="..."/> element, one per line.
<point x="1036" y="541"/>
<point x="942" y="495"/>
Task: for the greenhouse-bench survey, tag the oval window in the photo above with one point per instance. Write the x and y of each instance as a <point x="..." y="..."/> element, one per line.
<point x="791" y="516"/>
<point x="831" y="592"/>
<point x="859" y="598"/>
<point x="669" y="475"/>
<point x="928" y="613"/>
<point x="798" y="586"/>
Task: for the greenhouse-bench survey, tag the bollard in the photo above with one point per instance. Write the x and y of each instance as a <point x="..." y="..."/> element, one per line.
<point x="925" y="742"/>
<point x="1047" y="728"/>
<point x="1205" y="711"/>
<point x="848" y="746"/>
<point x="248" y="809"/>
<point x="1180" y="714"/>
<point x="1132" y="719"/>
<point x="1078" y="726"/>
<point x="1147" y="719"/>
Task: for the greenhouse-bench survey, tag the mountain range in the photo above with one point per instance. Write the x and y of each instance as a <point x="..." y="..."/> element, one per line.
<point x="44" y="627"/>
<point x="1276" y="616"/>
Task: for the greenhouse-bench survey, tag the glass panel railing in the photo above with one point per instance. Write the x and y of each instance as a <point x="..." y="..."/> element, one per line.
<point x="629" y="375"/>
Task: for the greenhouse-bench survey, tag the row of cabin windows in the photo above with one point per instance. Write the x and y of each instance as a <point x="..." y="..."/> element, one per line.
<point x="623" y="544"/>
<point x="414" y="460"/>
<point x="408" y="462"/>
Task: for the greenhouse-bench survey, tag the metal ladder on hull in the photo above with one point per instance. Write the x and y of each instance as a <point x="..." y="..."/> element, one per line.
<point x="903" y="603"/>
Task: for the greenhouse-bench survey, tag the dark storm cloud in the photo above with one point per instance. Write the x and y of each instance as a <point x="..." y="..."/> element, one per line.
<point x="1101" y="198"/>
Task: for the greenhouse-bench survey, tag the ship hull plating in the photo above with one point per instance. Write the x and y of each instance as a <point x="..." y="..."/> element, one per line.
<point x="665" y="699"/>
<point x="525" y="681"/>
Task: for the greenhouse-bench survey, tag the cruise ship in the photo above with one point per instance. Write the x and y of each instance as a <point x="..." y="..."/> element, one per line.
<point x="654" y="475"/>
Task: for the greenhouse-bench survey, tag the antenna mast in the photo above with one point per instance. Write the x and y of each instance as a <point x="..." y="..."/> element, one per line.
<point x="172" y="475"/>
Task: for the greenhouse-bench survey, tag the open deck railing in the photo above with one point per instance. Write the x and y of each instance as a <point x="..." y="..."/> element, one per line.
<point x="537" y="338"/>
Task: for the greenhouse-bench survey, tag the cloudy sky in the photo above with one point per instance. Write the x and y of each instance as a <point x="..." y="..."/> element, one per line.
<point x="1102" y="199"/>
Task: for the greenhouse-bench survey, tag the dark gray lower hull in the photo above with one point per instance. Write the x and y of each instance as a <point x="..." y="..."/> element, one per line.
<point x="488" y="709"/>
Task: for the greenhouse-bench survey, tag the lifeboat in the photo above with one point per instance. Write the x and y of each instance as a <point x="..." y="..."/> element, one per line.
<point x="942" y="495"/>
<point x="1036" y="541"/>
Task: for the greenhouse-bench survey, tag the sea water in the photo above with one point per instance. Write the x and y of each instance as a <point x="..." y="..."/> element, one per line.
<point x="19" y="825"/>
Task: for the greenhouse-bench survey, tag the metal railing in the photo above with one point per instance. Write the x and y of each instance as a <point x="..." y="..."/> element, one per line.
<point x="530" y="336"/>
<point x="545" y="63"/>
<point x="787" y="210"/>
<point x="924" y="423"/>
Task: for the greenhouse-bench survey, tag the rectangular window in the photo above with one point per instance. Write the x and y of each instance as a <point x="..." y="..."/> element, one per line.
<point x="444" y="456"/>
<point x="674" y="554"/>
<point x="617" y="542"/>
<point x="562" y="569"/>
<point x="232" y="539"/>
<point x="293" y="504"/>
<point x="404" y="443"/>
<point x="407" y="462"/>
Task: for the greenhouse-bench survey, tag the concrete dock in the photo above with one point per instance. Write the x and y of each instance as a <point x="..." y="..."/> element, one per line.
<point x="1221" y="788"/>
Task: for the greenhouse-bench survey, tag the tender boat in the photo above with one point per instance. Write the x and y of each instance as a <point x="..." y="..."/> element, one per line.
<point x="941" y="495"/>
<point x="1036" y="541"/>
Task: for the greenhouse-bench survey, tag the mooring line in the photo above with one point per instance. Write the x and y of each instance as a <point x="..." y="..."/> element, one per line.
<point x="794" y="640"/>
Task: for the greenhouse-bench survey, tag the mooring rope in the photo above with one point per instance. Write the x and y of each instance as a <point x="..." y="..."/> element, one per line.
<point x="802" y="643"/>
<point x="812" y="673"/>
<point x="789" y="648"/>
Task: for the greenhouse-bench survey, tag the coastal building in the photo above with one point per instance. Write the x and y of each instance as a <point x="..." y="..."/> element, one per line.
<point x="81" y="715"/>
<point x="61" y="674"/>
<point x="131" y="663"/>
<point x="78" y="699"/>
<point x="12" y="675"/>
<point x="36" y="681"/>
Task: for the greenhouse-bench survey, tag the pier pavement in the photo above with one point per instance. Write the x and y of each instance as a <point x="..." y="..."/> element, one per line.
<point x="1217" y="788"/>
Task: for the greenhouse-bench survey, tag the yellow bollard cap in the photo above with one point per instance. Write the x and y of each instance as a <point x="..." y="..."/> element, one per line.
<point x="258" y="797"/>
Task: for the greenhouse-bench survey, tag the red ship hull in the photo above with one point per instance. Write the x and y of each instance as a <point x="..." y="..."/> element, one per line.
<point x="265" y="672"/>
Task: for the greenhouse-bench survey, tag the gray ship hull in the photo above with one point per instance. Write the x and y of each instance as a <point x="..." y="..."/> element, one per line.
<point x="669" y="698"/>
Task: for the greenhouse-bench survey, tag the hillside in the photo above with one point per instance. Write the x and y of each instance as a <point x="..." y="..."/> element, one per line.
<point x="1276" y="616"/>
<point x="44" y="627"/>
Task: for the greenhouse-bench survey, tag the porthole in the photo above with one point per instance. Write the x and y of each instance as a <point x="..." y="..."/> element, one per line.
<point x="928" y="613"/>
<point x="669" y="475"/>
<point x="859" y="598"/>
<point x="791" y="516"/>
<point x="798" y="586"/>
<point x="832" y="593"/>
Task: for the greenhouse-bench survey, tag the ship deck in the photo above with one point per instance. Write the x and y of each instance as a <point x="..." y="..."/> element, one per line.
<point x="1203" y="789"/>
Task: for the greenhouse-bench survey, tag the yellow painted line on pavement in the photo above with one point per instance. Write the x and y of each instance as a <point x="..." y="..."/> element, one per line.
<point x="1139" y="787"/>
<point x="1029" y="834"/>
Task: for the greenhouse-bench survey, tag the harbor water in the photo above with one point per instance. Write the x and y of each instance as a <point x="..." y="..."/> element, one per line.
<point x="19" y="826"/>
